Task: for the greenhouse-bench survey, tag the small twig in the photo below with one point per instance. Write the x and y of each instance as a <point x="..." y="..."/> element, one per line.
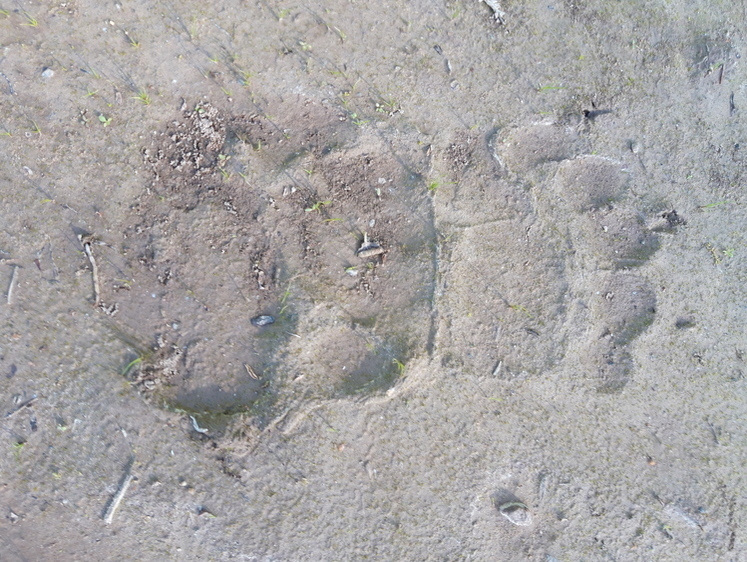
<point x="251" y="372"/>
<point x="55" y="270"/>
<point x="12" y="283"/>
<point x="196" y="426"/>
<point x="117" y="498"/>
<point x="95" y="271"/>
<point x="498" y="367"/>
<point x="20" y="407"/>
<point x="714" y="433"/>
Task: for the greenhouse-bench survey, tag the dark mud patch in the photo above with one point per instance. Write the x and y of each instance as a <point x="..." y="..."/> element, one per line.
<point x="184" y="158"/>
<point x="247" y="216"/>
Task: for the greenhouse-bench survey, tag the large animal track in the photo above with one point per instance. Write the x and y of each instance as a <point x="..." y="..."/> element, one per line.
<point x="246" y="217"/>
<point x="532" y="266"/>
<point x="544" y="271"/>
<point x="609" y="237"/>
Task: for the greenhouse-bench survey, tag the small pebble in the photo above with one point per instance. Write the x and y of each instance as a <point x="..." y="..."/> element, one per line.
<point x="369" y="250"/>
<point x="516" y="512"/>
<point x="263" y="320"/>
<point x="47" y="73"/>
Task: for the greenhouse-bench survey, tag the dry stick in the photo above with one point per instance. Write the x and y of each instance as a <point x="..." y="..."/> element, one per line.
<point x="20" y="407"/>
<point x="117" y="499"/>
<point x="95" y="271"/>
<point x="12" y="283"/>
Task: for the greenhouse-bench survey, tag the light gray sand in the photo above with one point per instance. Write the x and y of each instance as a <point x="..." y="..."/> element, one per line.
<point x="557" y="319"/>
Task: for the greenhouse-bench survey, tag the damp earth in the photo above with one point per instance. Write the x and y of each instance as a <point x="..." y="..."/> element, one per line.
<point x="343" y="281"/>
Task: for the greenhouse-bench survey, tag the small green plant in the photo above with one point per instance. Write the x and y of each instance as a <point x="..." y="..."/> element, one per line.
<point x="34" y="127"/>
<point x="388" y="106"/>
<point x="30" y="20"/>
<point x="435" y="184"/>
<point x="713" y="205"/>
<point x="90" y="93"/>
<point x="520" y="308"/>
<point x="17" y="449"/>
<point x="131" y="40"/>
<point x="222" y="161"/>
<point x="284" y="301"/>
<point x="286" y="294"/>
<point x="356" y="121"/>
<point x="341" y="34"/>
<point x="345" y="94"/>
<point x="123" y="284"/>
<point x="715" y="253"/>
<point x="246" y="77"/>
<point x="549" y="88"/>
<point x="92" y="72"/>
<point x="718" y="254"/>
<point x="130" y="366"/>
<point x="143" y="97"/>
<point x="317" y="206"/>
<point x="106" y="121"/>
<point x="400" y="366"/>
<point x="5" y="13"/>
<point x="283" y="13"/>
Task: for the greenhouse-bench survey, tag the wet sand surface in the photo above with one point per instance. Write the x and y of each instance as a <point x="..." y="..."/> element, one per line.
<point x="373" y="281"/>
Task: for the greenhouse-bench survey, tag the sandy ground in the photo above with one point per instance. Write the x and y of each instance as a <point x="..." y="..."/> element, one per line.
<point x="505" y="263"/>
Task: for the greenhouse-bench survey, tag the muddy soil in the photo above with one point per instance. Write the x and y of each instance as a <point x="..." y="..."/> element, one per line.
<point x="364" y="281"/>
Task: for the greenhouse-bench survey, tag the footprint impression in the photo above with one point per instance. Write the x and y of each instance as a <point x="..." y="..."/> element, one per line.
<point x="274" y="260"/>
<point x="609" y="239"/>
<point x="545" y="243"/>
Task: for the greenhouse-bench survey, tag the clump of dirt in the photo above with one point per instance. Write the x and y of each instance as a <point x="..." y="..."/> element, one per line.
<point x="460" y="154"/>
<point x="183" y="158"/>
<point x="159" y="369"/>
